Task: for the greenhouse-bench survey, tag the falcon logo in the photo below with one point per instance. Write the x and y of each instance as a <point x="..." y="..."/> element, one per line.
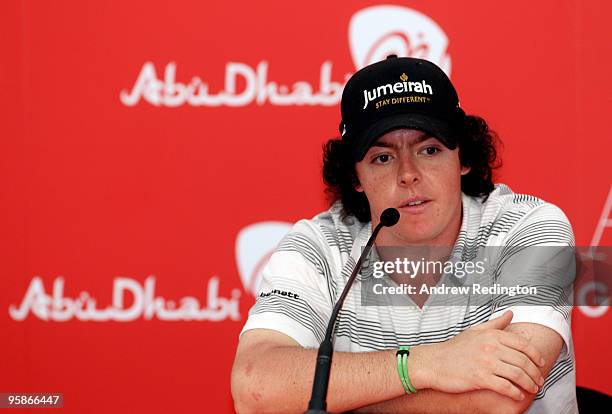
<point x="379" y="31"/>
<point x="254" y="246"/>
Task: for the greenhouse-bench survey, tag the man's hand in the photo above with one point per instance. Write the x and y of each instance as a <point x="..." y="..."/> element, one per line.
<point x="482" y="357"/>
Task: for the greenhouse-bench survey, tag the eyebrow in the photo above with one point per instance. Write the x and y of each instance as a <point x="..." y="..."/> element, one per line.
<point x="420" y="139"/>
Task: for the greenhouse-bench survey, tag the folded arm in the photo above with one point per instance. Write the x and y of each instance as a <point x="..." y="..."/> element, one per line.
<point x="272" y="373"/>
<point x="546" y="340"/>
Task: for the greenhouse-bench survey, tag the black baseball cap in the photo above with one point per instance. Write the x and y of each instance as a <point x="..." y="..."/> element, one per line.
<point x="398" y="93"/>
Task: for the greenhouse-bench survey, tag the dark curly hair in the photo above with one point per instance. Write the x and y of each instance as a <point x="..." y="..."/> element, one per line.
<point x="477" y="150"/>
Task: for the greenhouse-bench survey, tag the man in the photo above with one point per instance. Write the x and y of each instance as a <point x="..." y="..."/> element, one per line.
<point x="407" y="144"/>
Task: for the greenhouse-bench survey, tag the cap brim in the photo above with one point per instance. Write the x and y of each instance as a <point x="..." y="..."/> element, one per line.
<point x="433" y="126"/>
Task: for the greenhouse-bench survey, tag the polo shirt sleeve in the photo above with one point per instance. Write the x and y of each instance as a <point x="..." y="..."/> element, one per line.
<point x="539" y="252"/>
<point x="294" y="297"/>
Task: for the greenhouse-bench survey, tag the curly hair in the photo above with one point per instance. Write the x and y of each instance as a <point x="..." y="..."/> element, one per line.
<point x="477" y="150"/>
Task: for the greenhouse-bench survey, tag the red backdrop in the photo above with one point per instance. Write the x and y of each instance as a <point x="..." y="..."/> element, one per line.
<point x="140" y="139"/>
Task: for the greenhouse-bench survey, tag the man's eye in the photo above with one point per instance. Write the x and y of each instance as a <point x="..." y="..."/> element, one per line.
<point x="430" y="150"/>
<point x="382" y="158"/>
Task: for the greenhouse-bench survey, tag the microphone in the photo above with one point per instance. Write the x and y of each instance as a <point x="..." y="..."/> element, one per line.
<point x="318" y="399"/>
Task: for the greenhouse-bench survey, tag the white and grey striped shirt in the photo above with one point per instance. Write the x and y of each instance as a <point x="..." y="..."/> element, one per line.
<point x="307" y="272"/>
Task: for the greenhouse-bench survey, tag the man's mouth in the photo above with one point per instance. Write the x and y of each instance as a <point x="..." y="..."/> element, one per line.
<point x="415" y="204"/>
<point x="415" y="201"/>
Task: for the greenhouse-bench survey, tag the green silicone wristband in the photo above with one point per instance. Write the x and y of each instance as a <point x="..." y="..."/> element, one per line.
<point x="406" y="376"/>
<point x="402" y="369"/>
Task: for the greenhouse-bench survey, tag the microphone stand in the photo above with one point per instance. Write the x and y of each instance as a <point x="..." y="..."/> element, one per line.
<point x="318" y="400"/>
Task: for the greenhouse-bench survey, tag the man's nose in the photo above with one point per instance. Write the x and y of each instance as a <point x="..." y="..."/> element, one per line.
<point x="408" y="172"/>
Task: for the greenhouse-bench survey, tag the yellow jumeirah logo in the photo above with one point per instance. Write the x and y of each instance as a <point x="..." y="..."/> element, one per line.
<point x="404" y="86"/>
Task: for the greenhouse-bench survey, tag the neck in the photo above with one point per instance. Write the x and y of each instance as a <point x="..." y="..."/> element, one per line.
<point x="389" y="244"/>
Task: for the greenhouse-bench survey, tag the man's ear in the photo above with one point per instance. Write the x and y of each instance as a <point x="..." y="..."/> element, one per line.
<point x="465" y="170"/>
<point x="356" y="184"/>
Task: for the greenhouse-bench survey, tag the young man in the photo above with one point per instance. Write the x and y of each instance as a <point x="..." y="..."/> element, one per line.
<point x="407" y="144"/>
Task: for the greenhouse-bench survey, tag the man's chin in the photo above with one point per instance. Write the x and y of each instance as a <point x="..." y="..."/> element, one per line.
<point x="417" y="236"/>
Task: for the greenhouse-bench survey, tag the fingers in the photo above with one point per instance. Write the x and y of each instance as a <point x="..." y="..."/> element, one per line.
<point x="523" y="345"/>
<point x="517" y="375"/>
<point x="523" y="363"/>
<point x="498" y="323"/>
<point x="504" y="387"/>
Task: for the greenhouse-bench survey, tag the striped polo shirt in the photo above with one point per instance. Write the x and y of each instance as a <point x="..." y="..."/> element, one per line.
<point x="306" y="274"/>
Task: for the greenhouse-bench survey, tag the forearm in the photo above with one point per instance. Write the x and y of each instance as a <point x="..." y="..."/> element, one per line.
<point x="428" y="400"/>
<point x="479" y="401"/>
<point x="436" y="402"/>
<point x="279" y="379"/>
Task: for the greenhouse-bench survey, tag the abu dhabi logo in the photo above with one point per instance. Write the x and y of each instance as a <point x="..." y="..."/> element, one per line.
<point x="592" y="258"/>
<point x="131" y="300"/>
<point x="254" y="246"/>
<point x="379" y="31"/>
<point x="374" y="33"/>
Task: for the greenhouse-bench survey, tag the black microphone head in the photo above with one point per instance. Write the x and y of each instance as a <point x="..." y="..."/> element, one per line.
<point x="389" y="217"/>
